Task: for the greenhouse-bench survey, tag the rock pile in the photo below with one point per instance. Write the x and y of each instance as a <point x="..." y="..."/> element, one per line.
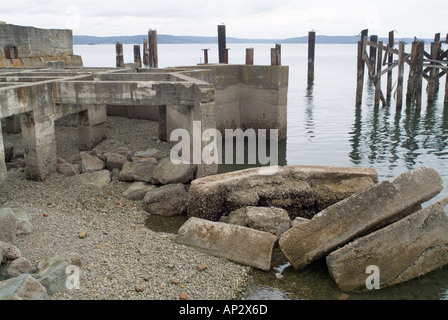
<point x="19" y="278"/>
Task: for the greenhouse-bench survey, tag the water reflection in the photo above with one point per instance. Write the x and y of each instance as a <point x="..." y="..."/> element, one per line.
<point x="309" y="117"/>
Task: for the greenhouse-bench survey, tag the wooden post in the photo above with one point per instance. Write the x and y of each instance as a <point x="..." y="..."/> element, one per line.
<point x="222" y="43"/>
<point x="378" y="74"/>
<point x="145" y="52"/>
<point x="279" y="49"/>
<point x="275" y="59"/>
<point x="360" y="74"/>
<point x="250" y="56"/>
<point x="153" y="53"/>
<point x="437" y="37"/>
<point x="137" y="56"/>
<point x="401" y="52"/>
<point x="390" y="59"/>
<point x="205" y="55"/>
<point x="119" y="52"/>
<point x="226" y="55"/>
<point x="311" y="52"/>
<point x="446" y="89"/>
<point x="411" y="78"/>
<point x="372" y="55"/>
<point x="420" y="47"/>
<point x="433" y="83"/>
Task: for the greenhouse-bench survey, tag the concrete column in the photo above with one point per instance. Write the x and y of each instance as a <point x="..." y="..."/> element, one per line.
<point x="40" y="146"/>
<point x="92" y="127"/>
<point x="205" y="111"/>
<point x="13" y="124"/>
<point x="2" y="157"/>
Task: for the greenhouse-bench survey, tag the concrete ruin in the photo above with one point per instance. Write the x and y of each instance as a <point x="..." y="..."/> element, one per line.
<point x="49" y="84"/>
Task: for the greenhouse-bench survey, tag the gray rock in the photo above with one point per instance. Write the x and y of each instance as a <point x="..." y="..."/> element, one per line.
<point x="98" y="179"/>
<point x="167" y="200"/>
<point x="23" y="287"/>
<point x="236" y="243"/>
<point x="114" y="160"/>
<point x="137" y="190"/>
<point x="125" y="152"/>
<point x="359" y="215"/>
<point x="18" y="267"/>
<point x="23" y="225"/>
<point x="97" y="153"/>
<point x="272" y="220"/>
<point x="404" y="250"/>
<point x="51" y="272"/>
<point x="68" y="170"/>
<point x="168" y="173"/>
<point x="138" y="170"/>
<point x="90" y="163"/>
<point x="9" y="252"/>
<point x="148" y="153"/>
<point x="8" y="222"/>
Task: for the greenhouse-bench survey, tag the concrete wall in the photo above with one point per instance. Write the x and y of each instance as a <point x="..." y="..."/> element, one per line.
<point x="35" y="47"/>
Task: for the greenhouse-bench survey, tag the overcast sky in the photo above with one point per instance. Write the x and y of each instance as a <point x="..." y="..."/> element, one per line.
<point x="243" y="18"/>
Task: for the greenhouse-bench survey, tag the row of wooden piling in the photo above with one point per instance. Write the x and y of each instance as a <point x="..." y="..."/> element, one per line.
<point x="150" y="52"/>
<point x="418" y="68"/>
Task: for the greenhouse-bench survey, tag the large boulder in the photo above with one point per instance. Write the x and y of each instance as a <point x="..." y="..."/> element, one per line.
<point x="359" y="215"/>
<point x="8" y="225"/>
<point x="268" y="219"/>
<point x="51" y="272"/>
<point x="167" y="200"/>
<point x="9" y="252"/>
<point x="404" y="250"/>
<point x="23" y="224"/>
<point x="138" y="170"/>
<point x="17" y="267"/>
<point x="114" y="160"/>
<point x="297" y="189"/>
<point x="167" y="172"/>
<point x="236" y="243"/>
<point x="89" y="163"/>
<point x="137" y="190"/>
<point x="23" y="287"/>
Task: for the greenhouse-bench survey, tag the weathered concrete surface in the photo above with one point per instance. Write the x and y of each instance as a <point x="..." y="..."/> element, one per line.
<point x="35" y="47"/>
<point x="168" y="200"/>
<point x="236" y="243"/>
<point x="297" y="189"/>
<point x="8" y="225"/>
<point x="404" y="250"/>
<point x="358" y="215"/>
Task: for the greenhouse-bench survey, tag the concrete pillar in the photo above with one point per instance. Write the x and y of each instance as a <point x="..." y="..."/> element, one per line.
<point x="40" y="146"/>
<point x="2" y="157"/>
<point x="92" y="127"/>
<point x="13" y="124"/>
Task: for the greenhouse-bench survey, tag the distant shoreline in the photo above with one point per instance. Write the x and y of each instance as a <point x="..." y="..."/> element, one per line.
<point x="168" y="39"/>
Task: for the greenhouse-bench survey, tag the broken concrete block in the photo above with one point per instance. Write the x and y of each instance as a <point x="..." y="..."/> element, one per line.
<point x="359" y="215"/>
<point x="166" y="172"/>
<point x="137" y="190"/>
<point x="23" y="225"/>
<point x="167" y="200"/>
<point x="8" y="225"/>
<point x="68" y="170"/>
<point x="23" y="287"/>
<point x="90" y="163"/>
<point x="114" y="160"/>
<point x="267" y="219"/>
<point x="404" y="250"/>
<point x="18" y="267"/>
<point x="9" y="252"/>
<point x="236" y="243"/>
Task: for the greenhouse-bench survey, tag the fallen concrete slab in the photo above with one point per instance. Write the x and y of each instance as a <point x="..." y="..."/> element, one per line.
<point x="358" y="215"/>
<point x="404" y="250"/>
<point x="236" y="243"/>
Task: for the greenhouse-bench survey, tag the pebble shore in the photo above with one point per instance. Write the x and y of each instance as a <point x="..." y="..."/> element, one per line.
<point x="122" y="258"/>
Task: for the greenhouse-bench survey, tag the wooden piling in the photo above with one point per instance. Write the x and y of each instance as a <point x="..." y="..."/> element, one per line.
<point x="145" y="53"/>
<point x="433" y="82"/>
<point x="250" y="56"/>
<point x="205" y="55"/>
<point x="311" y="54"/>
<point x="137" y="56"/>
<point x="399" y="100"/>
<point x="418" y="73"/>
<point x="390" y="59"/>
<point x="372" y="55"/>
<point x="153" y="52"/>
<point x="275" y="57"/>
<point x="279" y="49"/>
<point x="222" y="42"/>
<point x="378" y="74"/>
<point x="360" y="74"/>
<point x="411" y="78"/>
<point x="119" y="52"/>
<point x="226" y="55"/>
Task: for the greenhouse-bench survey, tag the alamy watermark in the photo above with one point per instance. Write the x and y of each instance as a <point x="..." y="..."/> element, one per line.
<point x="204" y="147"/>
<point x="373" y="280"/>
<point x="72" y="280"/>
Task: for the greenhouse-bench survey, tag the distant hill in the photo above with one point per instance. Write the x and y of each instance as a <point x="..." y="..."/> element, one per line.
<point x="169" y="39"/>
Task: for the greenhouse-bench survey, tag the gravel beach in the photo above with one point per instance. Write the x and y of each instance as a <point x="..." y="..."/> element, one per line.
<point x="122" y="258"/>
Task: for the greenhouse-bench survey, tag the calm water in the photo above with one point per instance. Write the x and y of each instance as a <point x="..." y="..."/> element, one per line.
<point x="326" y="128"/>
